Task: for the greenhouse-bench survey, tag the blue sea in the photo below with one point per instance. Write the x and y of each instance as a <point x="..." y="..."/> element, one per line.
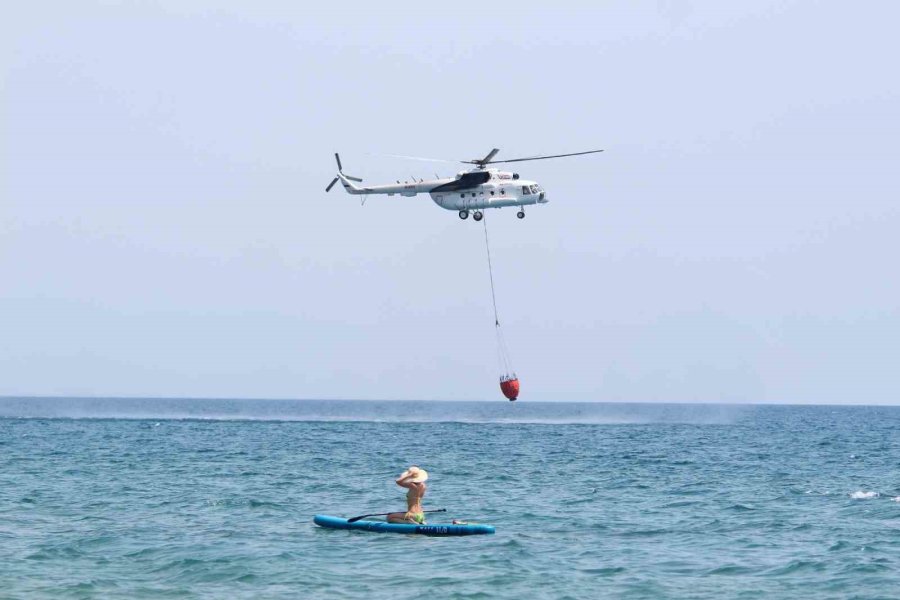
<point x="134" y="498"/>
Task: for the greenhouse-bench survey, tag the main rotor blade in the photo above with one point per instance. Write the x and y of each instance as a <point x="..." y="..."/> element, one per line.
<point x="338" y="159"/>
<point x="331" y="185"/>
<point x="490" y="155"/>
<point x="418" y="158"/>
<point x="494" y="162"/>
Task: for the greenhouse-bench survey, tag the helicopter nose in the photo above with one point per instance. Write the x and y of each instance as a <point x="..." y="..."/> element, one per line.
<point x="543" y="199"/>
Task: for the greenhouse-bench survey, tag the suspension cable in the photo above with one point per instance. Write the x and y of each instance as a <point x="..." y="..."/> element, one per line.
<point x="502" y="350"/>
<point x="491" y="273"/>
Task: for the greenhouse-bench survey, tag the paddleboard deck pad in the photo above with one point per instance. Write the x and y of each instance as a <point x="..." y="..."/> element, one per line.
<point x="437" y="529"/>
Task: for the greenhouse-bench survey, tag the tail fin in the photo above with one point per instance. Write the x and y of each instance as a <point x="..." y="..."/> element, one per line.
<point x="345" y="179"/>
<point x="347" y="182"/>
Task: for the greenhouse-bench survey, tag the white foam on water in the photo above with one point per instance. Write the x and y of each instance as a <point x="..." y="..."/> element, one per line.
<point x="493" y="412"/>
<point x="861" y="495"/>
<point x="895" y="499"/>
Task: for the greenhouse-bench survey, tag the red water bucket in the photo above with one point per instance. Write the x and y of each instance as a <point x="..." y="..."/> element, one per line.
<point x="510" y="387"/>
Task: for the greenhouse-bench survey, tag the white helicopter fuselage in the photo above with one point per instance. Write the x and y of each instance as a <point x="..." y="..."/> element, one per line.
<point x="469" y="190"/>
<point x="473" y="190"/>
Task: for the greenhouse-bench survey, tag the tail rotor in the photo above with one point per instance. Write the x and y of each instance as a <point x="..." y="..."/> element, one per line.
<point x="340" y="174"/>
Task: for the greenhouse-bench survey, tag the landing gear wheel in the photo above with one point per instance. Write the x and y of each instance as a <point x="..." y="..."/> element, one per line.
<point x="477" y="215"/>
<point x="521" y="214"/>
<point x="463" y="214"/>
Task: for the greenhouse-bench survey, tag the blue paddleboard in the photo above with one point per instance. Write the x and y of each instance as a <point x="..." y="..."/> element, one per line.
<point x="382" y="527"/>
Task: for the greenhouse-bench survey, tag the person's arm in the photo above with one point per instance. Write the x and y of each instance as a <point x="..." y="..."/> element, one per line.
<point x="402" y="480"/>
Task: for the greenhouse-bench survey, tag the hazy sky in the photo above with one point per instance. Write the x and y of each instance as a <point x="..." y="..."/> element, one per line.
<point x="164" y="229"/>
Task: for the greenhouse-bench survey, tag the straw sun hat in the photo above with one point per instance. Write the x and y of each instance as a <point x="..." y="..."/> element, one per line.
<point x="415" y="474"/>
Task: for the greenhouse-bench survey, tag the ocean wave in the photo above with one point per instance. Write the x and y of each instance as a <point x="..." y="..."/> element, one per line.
<point x="839" y="545"/>
<point x="798" y="566"/>
<point x="241" y="502"/>
<point x="861" y="495"/>
<point x="680" y="503"/>
<point x="603" y="571"/>
<point x="155" y="410"/>
<point x="732" y="570"/>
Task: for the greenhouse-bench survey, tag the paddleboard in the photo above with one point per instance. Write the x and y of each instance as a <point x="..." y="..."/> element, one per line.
<point x="438" y="529"/>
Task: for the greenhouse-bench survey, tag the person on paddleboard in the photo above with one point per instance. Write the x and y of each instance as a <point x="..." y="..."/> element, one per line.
<point x="412" y="479"/>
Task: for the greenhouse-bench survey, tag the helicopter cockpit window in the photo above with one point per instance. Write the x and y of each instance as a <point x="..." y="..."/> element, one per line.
<point x="526" y="190"/>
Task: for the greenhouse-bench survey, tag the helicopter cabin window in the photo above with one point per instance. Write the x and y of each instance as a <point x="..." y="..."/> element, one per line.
<point x="515" y="175"/>
<point x="492" y="192"/>
<point x="462" y="195"/>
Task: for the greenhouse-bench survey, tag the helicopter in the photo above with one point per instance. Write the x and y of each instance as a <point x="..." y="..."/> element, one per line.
<point x="478" y="188"/>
